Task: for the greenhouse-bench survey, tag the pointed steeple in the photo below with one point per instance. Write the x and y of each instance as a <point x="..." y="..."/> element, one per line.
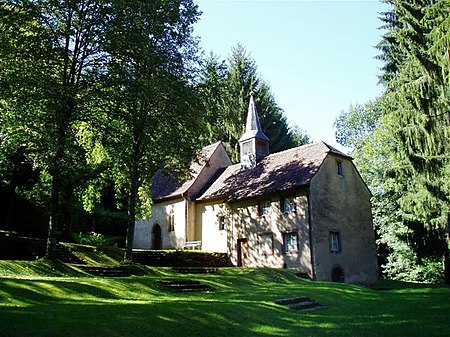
<point x="254" y="144"/>
<point x="253" y="126"/>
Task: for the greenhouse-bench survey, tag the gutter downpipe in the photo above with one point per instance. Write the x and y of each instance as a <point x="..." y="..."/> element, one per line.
<point x="310" y="230"/>
<point x="186" y="217"/>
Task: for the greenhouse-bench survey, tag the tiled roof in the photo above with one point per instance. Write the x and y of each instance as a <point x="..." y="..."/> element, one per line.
<point x="277" y="172"/>
<point x="165" y="186"/>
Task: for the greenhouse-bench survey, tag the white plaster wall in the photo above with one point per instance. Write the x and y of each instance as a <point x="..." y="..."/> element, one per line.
<point x="207" y="216"/>
<point x="218" y="159"/>
<point x="142" y="234"/>
<point x="160" y="212"/>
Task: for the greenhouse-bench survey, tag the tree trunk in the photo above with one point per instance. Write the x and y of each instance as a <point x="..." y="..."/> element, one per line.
<point x="50" y="252"/>
<point x="446" y="260"/>
<point x="446" y="254"/>
<point x="131" y="212"/>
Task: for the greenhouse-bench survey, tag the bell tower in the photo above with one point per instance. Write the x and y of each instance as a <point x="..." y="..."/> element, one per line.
<point x="254" y="144"/>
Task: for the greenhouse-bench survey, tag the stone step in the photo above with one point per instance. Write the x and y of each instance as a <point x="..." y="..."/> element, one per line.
<point x="302" y="304"/>
<point x="103" y="271"/>
<point x="150" y="258"/>
<point x="185" y="285"/>
<point x="291" y="300"/>
<point x="65" y="255"/>
<point x="195" y="270"/>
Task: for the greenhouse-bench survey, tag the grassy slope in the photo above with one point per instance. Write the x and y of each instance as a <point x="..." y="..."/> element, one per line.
<point x="241" y="305"/>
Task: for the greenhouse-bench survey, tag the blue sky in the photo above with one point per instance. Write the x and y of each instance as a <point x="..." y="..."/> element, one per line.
<point x="317" y="56"/>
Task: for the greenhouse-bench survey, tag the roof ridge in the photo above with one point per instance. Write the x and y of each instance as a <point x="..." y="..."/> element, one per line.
<point x="335" y="150"/>
<point x="212" y="145"/>
<point x="293" y="148"/>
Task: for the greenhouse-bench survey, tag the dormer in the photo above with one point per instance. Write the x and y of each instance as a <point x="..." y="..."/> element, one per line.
<point x="254" y="144"/>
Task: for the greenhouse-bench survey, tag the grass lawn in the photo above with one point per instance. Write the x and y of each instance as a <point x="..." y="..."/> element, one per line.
<point x="241" y="304"/>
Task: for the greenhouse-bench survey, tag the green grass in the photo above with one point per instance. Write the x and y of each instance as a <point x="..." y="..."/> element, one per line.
<point x="36" y="299"/>
<point x="91" y="255"/>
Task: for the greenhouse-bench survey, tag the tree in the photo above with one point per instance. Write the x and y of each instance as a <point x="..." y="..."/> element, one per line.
<point x="415" y="122"/>
<point x="154" y="115"/>
<point x="225" y="88"/>
<point x="356" y="124"/>
<point x="51" y="56"/>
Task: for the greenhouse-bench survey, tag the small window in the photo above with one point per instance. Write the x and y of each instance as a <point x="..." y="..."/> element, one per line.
<point x="171" y="221"/>
<point x="290" y="242"/>
<point x="221" y="220"/>
<point x="287" y="205"/>
<point x="340" y="169"/>
<point x="264" y="208"/>
<point x="335" y="242"/>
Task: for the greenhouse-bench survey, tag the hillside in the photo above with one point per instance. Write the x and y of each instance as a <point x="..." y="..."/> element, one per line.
<point x="44" y="299"/>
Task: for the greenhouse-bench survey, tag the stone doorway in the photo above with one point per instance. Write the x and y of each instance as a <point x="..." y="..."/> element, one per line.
<point x="337" y="274"/>
<point x="156" y="237"/>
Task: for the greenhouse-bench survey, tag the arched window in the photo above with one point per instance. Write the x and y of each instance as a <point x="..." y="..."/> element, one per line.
<point x="171" y="221"/>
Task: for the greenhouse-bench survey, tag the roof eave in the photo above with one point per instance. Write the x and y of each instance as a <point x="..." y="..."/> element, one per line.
<point x="269" y="194"/>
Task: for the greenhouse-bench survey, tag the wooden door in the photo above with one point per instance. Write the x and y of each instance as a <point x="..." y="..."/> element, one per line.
<point x="242" y="252"/>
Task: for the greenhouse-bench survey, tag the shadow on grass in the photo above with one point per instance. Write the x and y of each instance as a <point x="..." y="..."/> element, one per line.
<point x="241" y="305"/>
<point x="173" y="317"/>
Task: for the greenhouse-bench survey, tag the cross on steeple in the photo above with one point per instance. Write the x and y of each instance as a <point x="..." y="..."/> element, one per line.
<point x="254" y="144"/>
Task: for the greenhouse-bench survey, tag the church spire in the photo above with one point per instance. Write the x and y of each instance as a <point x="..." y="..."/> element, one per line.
<point x="254" y="144"/>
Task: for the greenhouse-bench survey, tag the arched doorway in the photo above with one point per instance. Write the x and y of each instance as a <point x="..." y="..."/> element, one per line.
<point x="156" y="237"/>
<point x="337" y="274"/>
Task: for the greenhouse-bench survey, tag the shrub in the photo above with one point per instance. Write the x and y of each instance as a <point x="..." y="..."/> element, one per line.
<point x="91" y="239"/>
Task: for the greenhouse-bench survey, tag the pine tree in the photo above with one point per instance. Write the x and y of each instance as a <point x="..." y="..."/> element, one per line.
<point x="226" y="91"/>
<point x="417" y="96"/>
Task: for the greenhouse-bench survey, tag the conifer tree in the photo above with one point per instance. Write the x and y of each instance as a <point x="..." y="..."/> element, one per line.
<point x="417" y="97"/>
<point x="226" y="90"/>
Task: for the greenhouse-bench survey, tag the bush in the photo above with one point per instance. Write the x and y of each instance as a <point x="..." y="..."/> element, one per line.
<point x="91" y="239"/>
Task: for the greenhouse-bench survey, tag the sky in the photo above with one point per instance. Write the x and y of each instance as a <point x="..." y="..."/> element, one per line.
<point x="317" y="56"/>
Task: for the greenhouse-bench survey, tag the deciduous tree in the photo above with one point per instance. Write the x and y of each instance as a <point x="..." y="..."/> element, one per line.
<point x="50" y="58"/>
<point x="154" y="116"/>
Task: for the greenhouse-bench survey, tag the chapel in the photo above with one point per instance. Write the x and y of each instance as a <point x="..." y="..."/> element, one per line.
<point x="305" y="208"/>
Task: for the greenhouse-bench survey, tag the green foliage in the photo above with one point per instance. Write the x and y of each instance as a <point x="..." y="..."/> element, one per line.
<point x="92" y="239"/>
<point x="94" y="93"/>
<point x="153" y="112"/>
<point x="418" y="96"/>
<point x="357" y="124"/>
<point x="51" y="56"/>
<point x="300" y="137"/>
<point x="225" y="90"/>
<point x="401" y="146"/>
<point x="402" y="249"/>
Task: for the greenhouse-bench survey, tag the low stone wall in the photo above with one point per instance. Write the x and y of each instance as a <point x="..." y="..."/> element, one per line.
<point x="14" y="247"/>
<point x="181" y="258"/>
